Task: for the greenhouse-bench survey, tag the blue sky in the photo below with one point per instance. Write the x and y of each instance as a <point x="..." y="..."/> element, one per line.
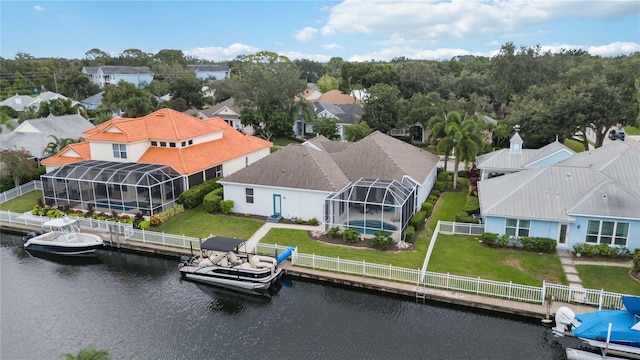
<point x="318" y="30"/>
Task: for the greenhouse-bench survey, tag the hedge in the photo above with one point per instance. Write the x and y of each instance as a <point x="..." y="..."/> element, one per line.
<point x="418" y="219"/>
<point x="427" y="207"/>
<point x="601" y="250"/>
<point x="472" y="206"/>
<point x="194" y="196"/>
<point x="211" y="202"/>
<point x="537" y="244"/>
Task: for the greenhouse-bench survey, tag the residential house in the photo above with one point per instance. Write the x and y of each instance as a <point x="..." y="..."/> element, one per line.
<point x="311" y="93"/>
<point x="344" y="114"/>
<point x="517" y="158"/>
<point x="210" y="72"/>
<point x="377" y="183"/>
<point x="360" y="95"/>
<point x="22" y="102"/>
<point x="143" y="164"/>
<point x="227" y="111"/>
<point x="592" y="197"/>
<point x="94" y="101"/>
<point x="35" y="135"/>
<point x="112" y="75"/>
<point x="336" y="97"/>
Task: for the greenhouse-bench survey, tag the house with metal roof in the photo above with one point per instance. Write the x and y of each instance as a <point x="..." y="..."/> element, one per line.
<point x="517" y="158"/>
<point x="113" y="74"/>
<point x="374" y="184"/>
<point x="35" y="135"/>
<point x="592" y="197"/>
<point x="169" y="151"/>
<point x="22" y="102"/>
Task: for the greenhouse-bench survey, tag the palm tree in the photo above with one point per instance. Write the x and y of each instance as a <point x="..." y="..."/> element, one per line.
<point x="467" y="141"/>
<point x="306" y="109"/>
<point x="7" y="121"/>
<point x="438" y="125"/>
<point x="59" y="143"/>
<point x="90" y="353"/>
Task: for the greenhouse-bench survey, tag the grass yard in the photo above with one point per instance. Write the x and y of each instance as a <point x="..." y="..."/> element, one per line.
<point x="23" y="203"/>
<point x="446" y="208"/>
<point x="574" y="145"/>
<point x="198" y="223"/>
<point x="282" y="141"/>
<point x="631" y="130"/>
<point x="610" y="278"/>
<point x="463" y="255"/>
<point x="307" y="245"/>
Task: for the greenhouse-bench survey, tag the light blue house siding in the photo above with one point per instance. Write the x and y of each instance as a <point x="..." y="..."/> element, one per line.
<point x="218" y="75"/>
<point x="577" y="230"/>
<point x="550" y="160"/>
<point x="139" y="80"/>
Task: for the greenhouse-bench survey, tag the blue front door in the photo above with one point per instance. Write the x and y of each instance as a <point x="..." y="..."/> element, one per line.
<point x="277" y="204"/>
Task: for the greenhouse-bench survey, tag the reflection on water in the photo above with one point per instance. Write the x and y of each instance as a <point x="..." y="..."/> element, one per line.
<point x="138" y="307"/>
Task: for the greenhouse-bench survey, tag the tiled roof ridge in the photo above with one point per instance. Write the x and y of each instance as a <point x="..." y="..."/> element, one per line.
<point x="173" y="125"/>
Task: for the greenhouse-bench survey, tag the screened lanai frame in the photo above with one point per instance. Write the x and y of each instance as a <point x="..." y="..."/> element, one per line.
<point x="372" y="205"/>
<point x="113" y="186"/>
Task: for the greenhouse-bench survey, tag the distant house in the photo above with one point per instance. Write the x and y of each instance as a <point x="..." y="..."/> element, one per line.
<point x="227" y="111"/>
<point x="591" y="197"/>
<point x="344" y="114"/>
<point x="94" y="101"/>
<point x="516" y="158"/>
<point x="209" y="72"/>
<point x="360" y="95"/>
<point x="335" y="97"/>
<point x="311" y="93"/>
<point x="377" y="183"/>
<point x="22" y="102"/>
<point x="112" y="75"/>
<point x="35" y="135"/>
<point x="143" y="164"/>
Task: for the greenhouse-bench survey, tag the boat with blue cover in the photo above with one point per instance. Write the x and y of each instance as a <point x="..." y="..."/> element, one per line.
<point x="614" y="333"/>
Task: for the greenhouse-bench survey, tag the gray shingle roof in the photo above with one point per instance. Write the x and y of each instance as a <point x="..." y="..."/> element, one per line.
<point x="213" y="68"/>
<point x="325" y="165"/>
<point x="213" y="110"/>
<point x="33" y="135"/>
<point x="294" y="166"/>
<point x="117" y="70"/>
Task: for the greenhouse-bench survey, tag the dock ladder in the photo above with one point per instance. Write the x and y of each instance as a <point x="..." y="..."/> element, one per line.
<point x="421" y="292"/>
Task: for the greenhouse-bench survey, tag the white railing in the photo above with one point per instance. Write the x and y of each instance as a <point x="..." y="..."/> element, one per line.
<point x="450" y="228"/>
<point x="20" y="190"/>
<point x="421" y="278"/>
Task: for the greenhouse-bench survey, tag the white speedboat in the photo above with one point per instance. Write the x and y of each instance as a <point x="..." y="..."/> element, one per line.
<point x="62" y="236"/>
<point x="614" y="333"/>
<point x="221" y="263"/>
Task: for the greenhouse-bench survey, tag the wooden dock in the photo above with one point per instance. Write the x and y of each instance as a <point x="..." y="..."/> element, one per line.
<point x="530" y="310"/>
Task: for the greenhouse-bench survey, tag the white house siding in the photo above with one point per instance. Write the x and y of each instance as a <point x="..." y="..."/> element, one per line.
<point x="206" y="138"/>
<point x="238" y="163"/>
<point x="425" y="189"/>
<point x="104" y="151"/>
<point x="305" y="204"/>
<point x="136" y="150"/>
<point x="218" y="75"/>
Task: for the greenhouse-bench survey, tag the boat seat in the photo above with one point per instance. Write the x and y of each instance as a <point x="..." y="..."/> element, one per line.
<point x="216" y="259"/>
<point x="244" y="266"/>
<point x="224" y="262"/>
<point x="234" y="259"/>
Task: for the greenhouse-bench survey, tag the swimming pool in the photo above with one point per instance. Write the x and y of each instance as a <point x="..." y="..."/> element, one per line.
<point x="370" y="226"/>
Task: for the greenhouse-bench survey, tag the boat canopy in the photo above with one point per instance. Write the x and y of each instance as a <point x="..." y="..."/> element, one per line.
<point x="632" y="304"/>
<point x="221" y="244"/>
<point x="60" y="222"/>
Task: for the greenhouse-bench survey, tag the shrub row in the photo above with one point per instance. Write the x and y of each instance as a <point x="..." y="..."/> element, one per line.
<point x="194" y="196"/>
<point x="381" y="240"/>
<point x="463" y="217"/>
<point x="418" y="219"/>
<point x="472" y="206"/>
<point x="537" y="244"/>
<point x="601" y="250"/>
<point x="171" y="212"/>
<point x="212" y="200"/>
<point x="636" y="261"/>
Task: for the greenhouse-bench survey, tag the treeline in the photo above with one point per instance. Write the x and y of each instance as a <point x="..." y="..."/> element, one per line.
<point x="564" y="94"/>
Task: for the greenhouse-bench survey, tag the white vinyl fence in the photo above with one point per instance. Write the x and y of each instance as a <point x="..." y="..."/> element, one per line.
<point x="21" y="190"/>
<point x="422" y="279"/>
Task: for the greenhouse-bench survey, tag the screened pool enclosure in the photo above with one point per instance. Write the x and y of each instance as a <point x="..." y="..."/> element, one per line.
<point x="372" y="205"/>
<point x="113" y="186"/>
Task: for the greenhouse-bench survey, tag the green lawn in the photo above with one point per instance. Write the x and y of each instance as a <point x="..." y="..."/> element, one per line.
<point x="463" y="255"/>
<point x="631" y="130"/>
<point x="307" y="245"/>
<point x="22" y="204"/>
<point x="282" y="141"/>
<point x="198" y="223"/>
<point x="610" y="278"/>
<point x="446" y="208"/>
<point x="574" y="145"/>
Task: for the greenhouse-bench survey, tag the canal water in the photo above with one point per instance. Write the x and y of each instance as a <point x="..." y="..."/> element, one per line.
<point x="137" y="307"/>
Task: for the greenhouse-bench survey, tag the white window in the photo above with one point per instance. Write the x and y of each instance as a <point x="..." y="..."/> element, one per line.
<point x="607" y="232"/>
<point x="119" y="151"/>
<point x="249" y="195"/>
<point x="517" y="227"/>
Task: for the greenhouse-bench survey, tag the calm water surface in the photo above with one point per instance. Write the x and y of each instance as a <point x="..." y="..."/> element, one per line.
<point x="137" y="307"/>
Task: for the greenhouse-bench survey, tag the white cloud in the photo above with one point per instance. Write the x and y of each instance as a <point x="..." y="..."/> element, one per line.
<point x="292" y="55"/>
<point x="38" y="8"/>
<point x="420" y="22"/>
<point x="217" y="53"/>
<point x="608" y="50"/>
<point x="389" y="53"/>
<point x="332" y="46"/>
<point x="305" y="34"/>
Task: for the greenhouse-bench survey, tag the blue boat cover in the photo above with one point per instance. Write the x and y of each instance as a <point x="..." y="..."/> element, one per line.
<point x="632" y="304"/>
<point x="596" y="324"/>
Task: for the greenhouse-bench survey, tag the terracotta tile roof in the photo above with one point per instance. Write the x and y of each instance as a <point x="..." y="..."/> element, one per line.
<point x="69" y="154"/>
<point x="186" y="160"/>
<point x="164" y="124"/>
<point x="336" y="97"/>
